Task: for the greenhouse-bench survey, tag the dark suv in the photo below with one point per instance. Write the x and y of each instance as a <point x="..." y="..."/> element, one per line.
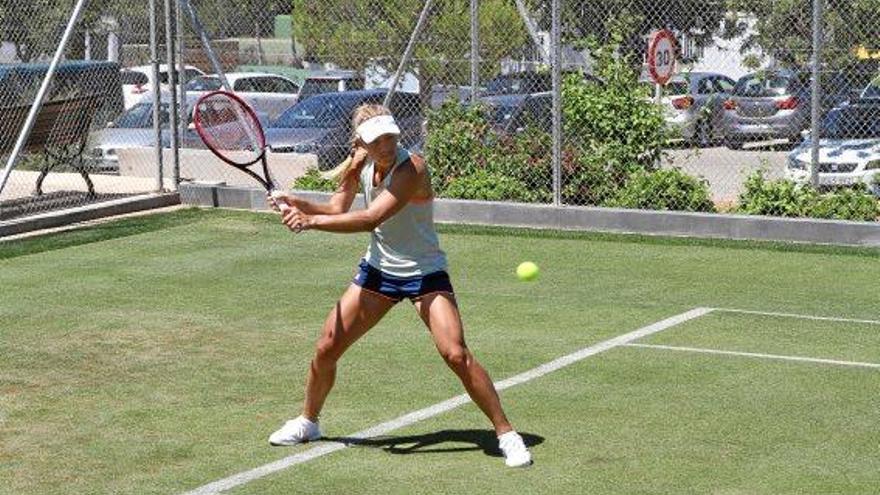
<point x="322" y="124"/>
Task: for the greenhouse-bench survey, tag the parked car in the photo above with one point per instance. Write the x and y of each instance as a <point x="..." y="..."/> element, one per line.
<point x="132" y="129"/>
<point x="777" y="104"/>
<point x="769" y="105"/>
<point x="512" y="114"/>
<point x="137" y="82"/>
<point x="849" y="148"/>
<point x="527" y="82"/>
<point x="693" y="105"/>
<point x="265" y="92"/>
<point x="330" y="82"/>
<point x="322" y="124"/>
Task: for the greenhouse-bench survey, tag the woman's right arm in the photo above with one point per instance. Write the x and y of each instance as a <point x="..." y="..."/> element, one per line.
<point x="340" y="202"/>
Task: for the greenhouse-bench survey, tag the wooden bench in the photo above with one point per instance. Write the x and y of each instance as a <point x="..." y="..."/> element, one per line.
<point x="61" y="130"/>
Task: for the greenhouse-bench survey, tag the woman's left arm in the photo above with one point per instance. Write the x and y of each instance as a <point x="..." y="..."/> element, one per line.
<point x="404" y="183"/>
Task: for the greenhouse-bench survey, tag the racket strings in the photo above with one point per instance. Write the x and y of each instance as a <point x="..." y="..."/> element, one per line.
<point x="226" y="125"/>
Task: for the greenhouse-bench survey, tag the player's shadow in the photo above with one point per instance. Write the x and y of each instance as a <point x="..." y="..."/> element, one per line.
<point x="437" y="442"/>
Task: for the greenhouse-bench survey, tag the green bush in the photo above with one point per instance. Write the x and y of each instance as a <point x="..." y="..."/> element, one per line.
<point x="775" y="197"/>
<point x="785" y="198"/>
<point x="663" y="190"/>
<point x="312" y="181"/>
<point x="489" y="186"/>
<point x="847" y="204"/>
<point x="456" y="142"/>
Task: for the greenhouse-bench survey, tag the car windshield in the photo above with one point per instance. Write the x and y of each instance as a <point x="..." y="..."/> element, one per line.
<point x="138" y="116"/>
<point x="312" y="87"/>
<point x="188" y="74"/>
<point x="318" y="112"/>
<point x="204" y="84"/>
<point x="758" y="86"/>
<point x="856" y="122"/>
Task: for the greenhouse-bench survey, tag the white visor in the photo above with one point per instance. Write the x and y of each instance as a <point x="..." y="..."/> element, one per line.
<point x="374" y="127"/>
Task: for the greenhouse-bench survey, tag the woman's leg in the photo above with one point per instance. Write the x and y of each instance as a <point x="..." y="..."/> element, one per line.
<point x="355" y="313"/>
<point x="440" y="313"/>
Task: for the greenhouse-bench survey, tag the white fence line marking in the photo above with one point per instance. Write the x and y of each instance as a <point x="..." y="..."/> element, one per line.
<point x="757" y="355"/>
<point x="441" y="407"/>
<point x="795" y="315"/>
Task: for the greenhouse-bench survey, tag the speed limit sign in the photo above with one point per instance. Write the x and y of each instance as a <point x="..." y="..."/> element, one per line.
<point x="661" y="56"/>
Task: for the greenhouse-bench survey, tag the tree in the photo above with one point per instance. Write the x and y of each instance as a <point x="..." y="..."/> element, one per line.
<point x="586" y="23"/>
<point x="356" y="34"/>
<point x="783" y="28"/>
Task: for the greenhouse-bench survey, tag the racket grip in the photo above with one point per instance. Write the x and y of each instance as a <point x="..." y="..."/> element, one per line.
<point x="284" y="207"/>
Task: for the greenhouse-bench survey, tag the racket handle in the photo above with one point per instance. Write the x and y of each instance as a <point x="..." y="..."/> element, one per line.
<point x="284" y="207"/>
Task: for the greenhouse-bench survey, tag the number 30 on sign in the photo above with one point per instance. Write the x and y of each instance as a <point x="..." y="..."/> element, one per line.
<point x="661" y="56"/>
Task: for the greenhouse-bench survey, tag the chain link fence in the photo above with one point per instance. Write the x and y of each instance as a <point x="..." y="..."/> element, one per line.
<point x="731" y="131"/>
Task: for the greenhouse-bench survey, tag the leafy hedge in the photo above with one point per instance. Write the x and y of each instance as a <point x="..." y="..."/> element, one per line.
<point x="312" y="181"/>
<point x="789" y="199"/>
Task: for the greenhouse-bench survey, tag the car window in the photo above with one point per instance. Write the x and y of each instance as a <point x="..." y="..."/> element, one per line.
<point x="133" y="77"/>
<point x="318" y="86"/>
<point x="140" y="116"/>
<point x="189" y="74"/>
<point x="322" y="112"/>
<point x="705" y="86"/>
<point x="204" y="84"/>
<point x="247" y="84"/>
<point x="765" y="85"/>
<point x="724" y="85"/>
<point x="853" y="122"/>
<point x="279" y="85"/>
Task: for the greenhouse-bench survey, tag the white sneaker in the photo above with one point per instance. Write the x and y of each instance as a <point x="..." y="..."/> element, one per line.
<point x="298" y="430"/>
<point x="516" y="454"/>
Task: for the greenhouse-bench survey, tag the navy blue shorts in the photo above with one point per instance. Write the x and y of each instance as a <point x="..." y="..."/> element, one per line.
<point x="399" y="288"/>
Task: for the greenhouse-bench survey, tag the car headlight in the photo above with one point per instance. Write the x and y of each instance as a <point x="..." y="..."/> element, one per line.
<point x="873" y="165"/>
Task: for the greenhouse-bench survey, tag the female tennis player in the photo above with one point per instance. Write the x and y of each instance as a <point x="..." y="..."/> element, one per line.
<point x="403" y="261"/>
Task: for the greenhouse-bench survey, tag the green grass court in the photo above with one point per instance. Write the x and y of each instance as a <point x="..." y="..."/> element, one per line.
<point x="154" y="355"/>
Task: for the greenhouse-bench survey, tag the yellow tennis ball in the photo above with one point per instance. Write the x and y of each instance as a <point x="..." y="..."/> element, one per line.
<point x="527" y="271"/>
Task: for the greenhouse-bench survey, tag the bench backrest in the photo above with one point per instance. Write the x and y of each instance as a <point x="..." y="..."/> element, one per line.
<point x="59" y="122"/>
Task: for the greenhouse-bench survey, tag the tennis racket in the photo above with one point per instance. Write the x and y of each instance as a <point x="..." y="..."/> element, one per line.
<point x="230" y="129"/>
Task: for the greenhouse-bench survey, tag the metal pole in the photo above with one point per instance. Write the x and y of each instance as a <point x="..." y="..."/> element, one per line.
<point x="41" y="93"/>
<point x="532" y="29"/>
<point x="409" y="49"/>
<point x="182" y="80"/>
<point x="816" y="110"/>
<point x="172" y="89"/>
<point x="206" y="43"/>
<point x="157" y="97"/>
<point x="475" y="50"/>
<point x="556" y="68"/>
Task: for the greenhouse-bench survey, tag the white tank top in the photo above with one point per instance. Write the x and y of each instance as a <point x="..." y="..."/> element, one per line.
<point x="406" y="244"/>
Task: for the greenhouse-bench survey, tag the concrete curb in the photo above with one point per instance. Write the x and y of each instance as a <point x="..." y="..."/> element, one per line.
<point x="683" y="224"/>
<point x="90" y="212"/>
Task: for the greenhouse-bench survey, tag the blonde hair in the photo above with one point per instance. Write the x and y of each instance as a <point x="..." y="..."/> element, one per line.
<point x="361" y="114"/>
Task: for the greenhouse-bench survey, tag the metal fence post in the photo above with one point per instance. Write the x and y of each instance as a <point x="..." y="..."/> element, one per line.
<point x="816" y="110"/>
<point x="172" y="89"/>
<point x="157" y="97"/>
<point x="556" y="68"/>
<point x="475" y="50"/>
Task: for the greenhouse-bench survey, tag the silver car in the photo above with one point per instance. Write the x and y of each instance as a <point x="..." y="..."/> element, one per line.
<point x="693" y="105"/>
<point x="768" y="105"/>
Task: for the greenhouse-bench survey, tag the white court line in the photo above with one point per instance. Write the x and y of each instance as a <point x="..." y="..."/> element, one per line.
<point x="758" y="355"/>
<point x="795" y="315"/>
<point x="441" y="407"/>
